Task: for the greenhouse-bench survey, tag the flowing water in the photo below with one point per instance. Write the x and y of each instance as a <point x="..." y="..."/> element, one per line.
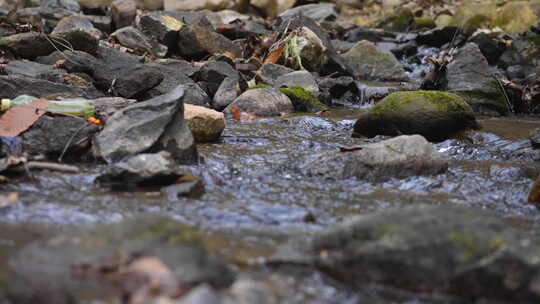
<point x="255" y="196"/>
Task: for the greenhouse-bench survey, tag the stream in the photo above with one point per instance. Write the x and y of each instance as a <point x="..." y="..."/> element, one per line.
<point x="255" y="196"/>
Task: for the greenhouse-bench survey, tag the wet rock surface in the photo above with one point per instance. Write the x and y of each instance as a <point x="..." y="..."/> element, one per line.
<point x="282" y="85"/>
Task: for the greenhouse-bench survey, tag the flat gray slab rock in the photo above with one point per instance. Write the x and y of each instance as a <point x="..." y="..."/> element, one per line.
<point x="398" y="157"/>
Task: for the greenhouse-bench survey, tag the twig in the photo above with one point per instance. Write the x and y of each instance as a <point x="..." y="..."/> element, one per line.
<point x="66" y="147"/>
<point x="52" y="166"/>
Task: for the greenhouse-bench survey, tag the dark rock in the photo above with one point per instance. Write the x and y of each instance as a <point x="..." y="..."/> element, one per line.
<point x="433" y="114"/>
<point x="79" y="62"/>
<point x="59" y="270"/>
<point x="335" y="64"/>
<point x="263" y="102"/>
<point x="176" y="72"/>
<point x="302" y="79"/>
<point x="437" y="37"/>
<point x="490" y="48"/>
<point x="342" y="46"/>
<point x="34" y="70"/>
<point x="196" y="42"/>
<point x="399" y="20"/>
<point x="79" y="40"/>
<point x="398" y="157"/>
<point x="123" y="75"/>
<point x="134" y="39"/>
<point x="362" y="33"/>
<point x="318" y="12"/>
<point x="51" y="135"/>
<point x="515" y="72"/>
<point x="399" y="50"/>
<point x="139" y="127"/>
<point x="337" y="86"/>
<point x="463" y="251"/>
<point x="213" y="73"/>
<point x="373" y="92"/>
<point x="102" y="23"/>
<point x="144" y="169"/>
<point x="269" y="72"/>
<point x="13" y="86"/>
<point x="201" y="294"/>
<point x="123" y="13"/>
<point x="164" y="26"/>
<point x="27" y="45"/>
<point x="371" y="63"/>
<point x="469" y="75"/>
<point x="228" y="91"/>
<point x="534" y="136"/>
<point x="74" y="22"/>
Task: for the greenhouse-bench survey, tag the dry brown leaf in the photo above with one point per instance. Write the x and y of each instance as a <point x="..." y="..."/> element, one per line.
<point x="241" y="116"/>
<point x="18" y="119"/>
<point x="274" y="55"/>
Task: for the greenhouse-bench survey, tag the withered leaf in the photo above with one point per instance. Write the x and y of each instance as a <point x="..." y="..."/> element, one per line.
<point x="274" y="55"/>
<point x="241" y="116"/>
<point x="16" y="120"/>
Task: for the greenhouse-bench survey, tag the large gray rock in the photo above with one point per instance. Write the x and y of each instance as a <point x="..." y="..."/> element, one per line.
<point x="263" y="102"/>
<point x="469" y="75"/>
<point x="195" y="42"/>
<point x="67" y="268"/>
<point x="140" y="170"/>
<point x="34" y="70"/>
<point x="461" y="251"/>
<point x="141" y="126"/>
<point x="70" y="23"/>
<point x="302" y="79"/>
<point x="227" y="92"/>
<point x="133" y="38"/>
<point x="371" y="63"/>
<point x="269" y="72"/>
<point x="398" y="157"/>
<point x="123" y="13"/>
<point x="12" y="86"/>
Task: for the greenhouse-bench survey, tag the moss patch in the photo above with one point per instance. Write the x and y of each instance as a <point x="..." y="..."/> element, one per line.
<point x="303" y="100"/>
<point x="410" y="101"/>
<point x="258" y="86"/>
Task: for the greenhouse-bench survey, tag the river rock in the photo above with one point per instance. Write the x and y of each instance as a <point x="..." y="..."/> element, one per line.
<point x="133" y="38"/>
<point x="317" y="12"/>
<point x="490" y="47"/>
<point x="435" y="115"/>
<point x="213" y="73"/>
<point x="534" y="136"/>
<point x="51" y="135"/>
<point x="205" y="124"/>
<point x="515" y="17"/>
<point x="437" y="37"/>
<point x="66" y="268"/>
<point x="371" y="63"/>
<point x="78" y="39"/>
<point x="398" y="157"/>
<point x="141" y="170"/>
<point x="196" y="42"/>
<point x="463" y="251"/>
<point x="12" y="86"/>
<point x="263" y="102"/>
<point x="123" y="13"/>
<point x="58" y="8"/>
<point x="469" y="75"/>
<point x="302" y="79"/>
<point x="269" y="72"/>
<point x="334" y="63"/>
<point x="27" y="45"/>
<point x="305" y="50"/>
<point x="34" y="70"/>
<point x="74" y="22"/>
<point x="228" y="91"/>
<point x="138" y="127"/>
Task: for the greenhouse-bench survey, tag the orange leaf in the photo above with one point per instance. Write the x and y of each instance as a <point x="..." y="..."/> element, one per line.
<point x="16" y="120"/>
<point x="275" y="55"/>
<point x="241" y="116"/>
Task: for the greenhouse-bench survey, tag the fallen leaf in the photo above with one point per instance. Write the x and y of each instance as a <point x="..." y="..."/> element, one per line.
<point x="16" y="120"/>
<point x="274" y="55"/>
<point x="241" y="116"/>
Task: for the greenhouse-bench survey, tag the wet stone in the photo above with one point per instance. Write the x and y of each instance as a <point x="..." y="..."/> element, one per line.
<point x="141" y="170"/>
<point x="269" y="72"/>
<point x="12" y="86"/>
<point x="318" y="12"/>
<point x="196" y="42"/>
<point x="263" y="102"/>
<point x="123" y="13"/>
<point x="399" y="157"/>
<point x="132" y="38"/>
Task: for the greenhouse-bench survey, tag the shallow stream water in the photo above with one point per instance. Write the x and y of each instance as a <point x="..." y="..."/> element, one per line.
<point x="255" y="196"/>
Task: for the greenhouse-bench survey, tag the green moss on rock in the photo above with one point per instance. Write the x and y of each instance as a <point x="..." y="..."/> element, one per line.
<point x="424" y="23"/>
<point x="258" y="86"/>
<point x="303" y="100"/>
<point x="417" y="101"/>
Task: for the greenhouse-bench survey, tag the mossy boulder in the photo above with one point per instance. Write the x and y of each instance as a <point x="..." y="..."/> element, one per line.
<point x="463" y="251"/>
<point x="433" y="114"/>
<point x="303" y="100"/>
<point x="372" y="63"/>
<point x="515" y="17"/>
<point x="399" y="20"/>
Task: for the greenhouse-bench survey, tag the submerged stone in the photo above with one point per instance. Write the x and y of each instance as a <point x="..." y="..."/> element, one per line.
<point x="433" y="114"/>
<point x="303" y="100"/>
